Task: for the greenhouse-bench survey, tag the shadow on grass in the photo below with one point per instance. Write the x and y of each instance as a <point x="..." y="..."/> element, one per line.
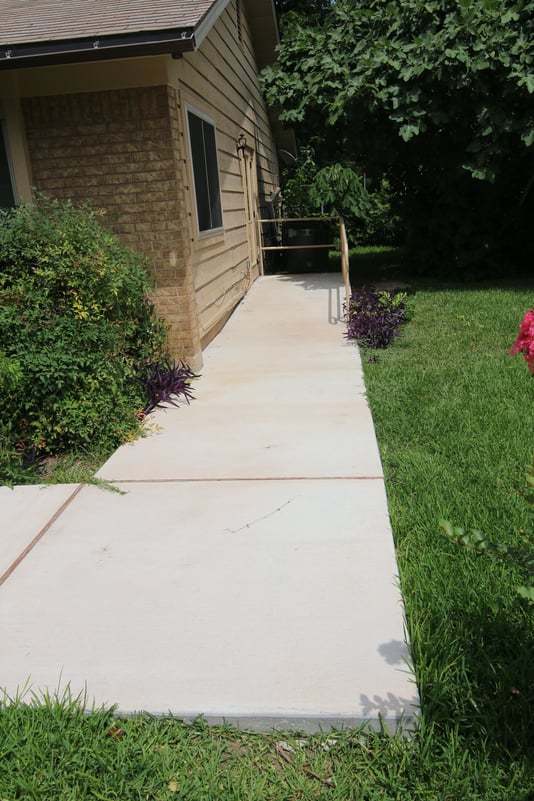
<point x="484" y="680"/>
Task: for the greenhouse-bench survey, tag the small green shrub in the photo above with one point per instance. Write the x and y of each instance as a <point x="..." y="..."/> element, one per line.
<point x="76" y="327"/>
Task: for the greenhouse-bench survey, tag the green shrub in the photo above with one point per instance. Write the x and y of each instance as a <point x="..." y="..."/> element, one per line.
<point x="76" y="327"/>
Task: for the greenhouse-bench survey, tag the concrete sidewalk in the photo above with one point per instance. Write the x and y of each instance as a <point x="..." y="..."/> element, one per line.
<point x="247" y="572"/>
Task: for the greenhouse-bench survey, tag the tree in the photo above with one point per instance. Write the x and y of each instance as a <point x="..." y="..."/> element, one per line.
<point x="439" y="97"/>
<point x="308" y="8"/>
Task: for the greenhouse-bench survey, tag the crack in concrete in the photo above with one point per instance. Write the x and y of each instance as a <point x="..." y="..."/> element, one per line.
<point x="257" y="520"/>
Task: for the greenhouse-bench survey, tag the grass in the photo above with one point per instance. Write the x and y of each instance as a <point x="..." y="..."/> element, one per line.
<point x="53" y="751"/>
<point x="368" y="263"/>
<point x="70" y="468"/>
<point x="453" y="415"/>
<point x="453" y="418"/>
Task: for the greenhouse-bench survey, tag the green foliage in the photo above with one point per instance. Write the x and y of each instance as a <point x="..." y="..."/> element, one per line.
<point x="10" y="374"/>
<point x="76" y="325"/>
<point x="313" y="11"/>
<point x="53" y="748"/>
<point x="339" y="189"/>
<point x="521" y="557"/>
<point x="382" y="224"/>
<point x="297" y="183"/>
<point x="438" y="97"/>
<point x="335" y="189"/>
<point x="421" y="62"/>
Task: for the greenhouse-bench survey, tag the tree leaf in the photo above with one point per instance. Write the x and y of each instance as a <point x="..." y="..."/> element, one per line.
<point x="408" y="131"/>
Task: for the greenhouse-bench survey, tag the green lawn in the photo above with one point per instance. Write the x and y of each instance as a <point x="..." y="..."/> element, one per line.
<point x="453" y="414"/>
<point x="454" y="418"/>
<point x="369" y="263"/>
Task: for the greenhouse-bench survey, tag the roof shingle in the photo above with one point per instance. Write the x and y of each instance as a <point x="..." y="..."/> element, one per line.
<point x="23" y="21"/>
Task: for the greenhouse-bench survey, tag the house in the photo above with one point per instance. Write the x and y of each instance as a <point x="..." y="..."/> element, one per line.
<point x="150" y="110"/>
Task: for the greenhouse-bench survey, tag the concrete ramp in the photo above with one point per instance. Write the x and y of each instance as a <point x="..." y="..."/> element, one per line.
<point x="246" y="572"/>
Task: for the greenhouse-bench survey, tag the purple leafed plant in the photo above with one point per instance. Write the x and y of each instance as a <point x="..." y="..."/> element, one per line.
<point x="167" y="382"/>
<point x="374" y="316"/>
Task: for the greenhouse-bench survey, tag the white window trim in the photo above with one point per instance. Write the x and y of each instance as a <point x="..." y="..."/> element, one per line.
<point x="206" y="118"/>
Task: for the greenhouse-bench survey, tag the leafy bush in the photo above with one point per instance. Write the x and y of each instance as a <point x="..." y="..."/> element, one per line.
<point x="339" y="189"/>
<point x="332" y="190"/>
<point x="76" y="328"/>
<point x="383" y="225"/>
<point x="374" y="316"/>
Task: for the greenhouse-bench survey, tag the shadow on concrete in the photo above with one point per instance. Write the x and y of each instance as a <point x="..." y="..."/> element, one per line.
<point x="330" y="282"/>
<point x="394" y="652"/>
<point x="388" y="707"/>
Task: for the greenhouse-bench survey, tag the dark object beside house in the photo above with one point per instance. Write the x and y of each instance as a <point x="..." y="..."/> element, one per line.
<point x="304" y="235"/>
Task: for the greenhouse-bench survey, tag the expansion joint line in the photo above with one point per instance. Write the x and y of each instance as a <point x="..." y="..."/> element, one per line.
<point x="240" y="478"/>
<point x="39" y="535"/>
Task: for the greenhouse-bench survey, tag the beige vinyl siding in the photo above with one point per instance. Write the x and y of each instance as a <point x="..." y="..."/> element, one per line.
<point x="220" y="81"/>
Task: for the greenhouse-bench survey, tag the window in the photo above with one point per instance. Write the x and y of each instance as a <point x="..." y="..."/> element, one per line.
<point x="205" y="172"/>
<point x="7" y="197"/>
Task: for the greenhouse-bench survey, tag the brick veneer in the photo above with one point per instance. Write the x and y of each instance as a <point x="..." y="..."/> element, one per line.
<point x="122" y="151"/>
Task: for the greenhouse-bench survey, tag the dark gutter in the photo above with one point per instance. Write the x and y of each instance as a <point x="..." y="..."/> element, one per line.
<point x="40" y="54"/>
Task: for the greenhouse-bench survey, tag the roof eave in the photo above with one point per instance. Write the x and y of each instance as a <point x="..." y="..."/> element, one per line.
<point x="264" y="31"/>
<point x="206" y="23"/>
<point x="174" y="42"/>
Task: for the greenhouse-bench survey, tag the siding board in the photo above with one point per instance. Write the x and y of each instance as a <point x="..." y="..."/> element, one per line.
<point x="220" y="80"/>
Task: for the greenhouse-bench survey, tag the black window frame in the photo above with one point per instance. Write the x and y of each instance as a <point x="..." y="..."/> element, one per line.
<point x="202" y="134"/>
<point x="7" y="186"/>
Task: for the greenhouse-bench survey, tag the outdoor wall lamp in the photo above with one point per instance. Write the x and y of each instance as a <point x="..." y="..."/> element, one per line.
<point x="242" y="144"/>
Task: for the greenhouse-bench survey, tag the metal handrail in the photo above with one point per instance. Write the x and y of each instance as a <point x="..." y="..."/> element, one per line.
<point x="295" y="219"/>
<point x="342" y="236"/>
<point x="295" y="247"/>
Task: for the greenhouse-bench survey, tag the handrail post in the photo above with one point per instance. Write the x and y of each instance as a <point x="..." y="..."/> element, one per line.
<point x="260" y="243"/>
<point x="345" y="263"/>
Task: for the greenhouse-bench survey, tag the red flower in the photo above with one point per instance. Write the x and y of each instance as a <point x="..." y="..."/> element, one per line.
<point x="525" y="340"/>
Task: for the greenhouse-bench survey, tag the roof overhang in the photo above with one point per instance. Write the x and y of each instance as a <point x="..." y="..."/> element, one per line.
<point x="171" y="41"/>
<point x="205" y="25"/>
<point x="264" y="30"/>
<point x="40" y="54"/>
<point x="266" y="38"/>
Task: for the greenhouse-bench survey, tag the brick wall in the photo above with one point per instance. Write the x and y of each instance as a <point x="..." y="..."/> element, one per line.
<point x="121" y="151"/>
